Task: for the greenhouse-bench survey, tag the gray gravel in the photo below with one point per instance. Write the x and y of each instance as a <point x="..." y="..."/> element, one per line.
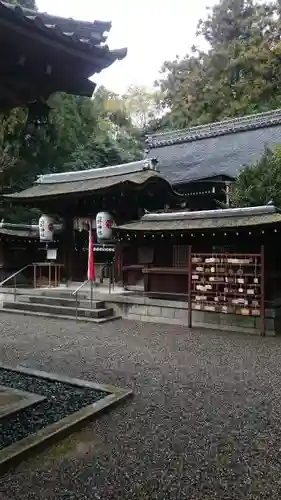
<point x="61" y="400"/>
<point x="205" y="422"/>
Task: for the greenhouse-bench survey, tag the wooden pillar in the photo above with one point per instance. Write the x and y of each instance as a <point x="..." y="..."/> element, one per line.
<point x="189" y="286"/>
<point x="262" y="288"/>
<point x="2" y="261"/>
<point x="68" y="248"/>
<point x="119" y="263"/>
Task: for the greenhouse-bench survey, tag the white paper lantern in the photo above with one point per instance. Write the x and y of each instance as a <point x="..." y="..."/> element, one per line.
<point x="46" y="228"/>
<point x="104" y="223"/>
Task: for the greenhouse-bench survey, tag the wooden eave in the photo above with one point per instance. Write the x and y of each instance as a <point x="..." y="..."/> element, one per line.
<point x="47" y="193"/>
<point x="208" y="220"/>
<point x="36" y="60"/>
<point x="36" y="31"/>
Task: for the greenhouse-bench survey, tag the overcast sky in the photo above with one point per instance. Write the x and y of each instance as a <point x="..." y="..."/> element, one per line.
<point x="153" y="31"/>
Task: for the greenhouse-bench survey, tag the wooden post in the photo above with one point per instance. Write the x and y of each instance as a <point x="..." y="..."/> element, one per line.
<point x="262" y="288"/>
<point x="68" y="247"/>
<point x="91" y="297"/>
<point x="34" y="275"/>
<point x="119" y="263"/>
<point x="189" y="286"/>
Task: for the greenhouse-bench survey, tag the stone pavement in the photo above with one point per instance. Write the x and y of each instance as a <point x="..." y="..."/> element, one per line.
<point x="204" y="422"/>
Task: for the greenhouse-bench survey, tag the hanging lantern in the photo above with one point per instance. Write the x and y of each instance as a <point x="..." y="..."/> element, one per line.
<point x="104" y="224"/>
<point x="46" y="228"/>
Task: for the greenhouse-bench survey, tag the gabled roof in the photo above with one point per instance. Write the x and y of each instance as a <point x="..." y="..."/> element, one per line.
<point x="216" y="149"/>
<point x="205" y="219"/>
<point x="93" y="180"/>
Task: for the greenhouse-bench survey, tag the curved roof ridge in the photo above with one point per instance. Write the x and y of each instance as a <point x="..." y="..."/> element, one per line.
<point x="207" y="219"/>
<point x="218" y="213"/>
<point x="88" y="34"/>
<point x="98" y="173"/>
<point x="215" y="129"/>
<point x="88" y="186"/>
<point x="86" y="29"/>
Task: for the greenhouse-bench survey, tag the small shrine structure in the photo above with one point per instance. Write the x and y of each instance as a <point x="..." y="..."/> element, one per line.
<point x="223" y="264"/>
<point x="115" y="195"/>
<point x="20" y="245"/>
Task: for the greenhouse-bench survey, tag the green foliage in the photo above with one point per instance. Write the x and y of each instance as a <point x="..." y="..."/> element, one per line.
<point x="260" y="183"/>
<point x="142" y="105"/>
<point x="240" y="74"/>
<point x="82" y="133"/>
<point x="28" y="4"/>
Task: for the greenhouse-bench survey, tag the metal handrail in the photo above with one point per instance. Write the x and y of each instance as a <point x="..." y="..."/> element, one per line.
<point x="14" y="277"/>
<point x="76" y="292"/>
<point x="110" y="286"/>
<point x="15" y="274"/>
<point x="79" y="287"/>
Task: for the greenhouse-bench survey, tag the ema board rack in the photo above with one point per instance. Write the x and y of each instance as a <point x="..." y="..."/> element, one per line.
<point x="227" y="283"/>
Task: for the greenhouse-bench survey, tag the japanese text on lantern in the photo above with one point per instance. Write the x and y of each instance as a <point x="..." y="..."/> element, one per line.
<point x="104" y="223"/>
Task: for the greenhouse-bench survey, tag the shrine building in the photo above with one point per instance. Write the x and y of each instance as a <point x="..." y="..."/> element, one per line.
<point x="203" y="161"/>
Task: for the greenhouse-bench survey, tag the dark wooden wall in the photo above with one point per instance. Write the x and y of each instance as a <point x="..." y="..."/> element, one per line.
<point x="167" y="270"/>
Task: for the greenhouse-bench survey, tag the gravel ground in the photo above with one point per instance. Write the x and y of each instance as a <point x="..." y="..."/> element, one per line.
<point x="204" y="422"/>
<point x="61" y="400"/>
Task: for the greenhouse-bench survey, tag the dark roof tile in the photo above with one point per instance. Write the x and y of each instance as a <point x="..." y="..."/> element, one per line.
<point x="40" y="191"/>
<point x="221" y="148"/>
<point x="85" y="35"/>
<point x="209" y="219"/>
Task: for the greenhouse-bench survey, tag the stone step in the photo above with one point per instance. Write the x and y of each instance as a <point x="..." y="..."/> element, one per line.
<point x="26" y="312"/>
<point x="59" y="310"/>
<point x="63" y="294"/>
<point x="59" y="301"/>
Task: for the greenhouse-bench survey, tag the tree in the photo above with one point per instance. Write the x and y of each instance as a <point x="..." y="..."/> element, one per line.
<point x="240" y="74"/>
<point x="259" y="184"/>
<point x="81" y="134"/>
<point x="142" y="105"/>
<point x="28" y="4"/>
<point x="106" y="136"/>
<point x="232" y="20"/>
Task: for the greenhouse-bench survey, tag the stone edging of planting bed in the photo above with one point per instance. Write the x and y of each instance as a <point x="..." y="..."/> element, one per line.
<point x="65" y="425"/>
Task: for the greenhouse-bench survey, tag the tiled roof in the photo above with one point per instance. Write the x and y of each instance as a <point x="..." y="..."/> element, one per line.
<point x="40" y="191"/>
<point x="70" y="53"/>
<point x="206" y="219"/>
<point x="216" y="149"/>
<point x="98" y="173"/>
<point x="24" y="230"/>
<point x="19" y="233"/>
<point x="95" y="179"/>
<point x="87" y="36"/>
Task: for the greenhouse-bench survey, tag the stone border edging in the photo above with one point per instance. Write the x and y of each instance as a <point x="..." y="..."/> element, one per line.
<point x="115" y="395"/>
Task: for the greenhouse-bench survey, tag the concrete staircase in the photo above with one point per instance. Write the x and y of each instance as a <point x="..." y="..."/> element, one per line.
<point x="59" y="304"/>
